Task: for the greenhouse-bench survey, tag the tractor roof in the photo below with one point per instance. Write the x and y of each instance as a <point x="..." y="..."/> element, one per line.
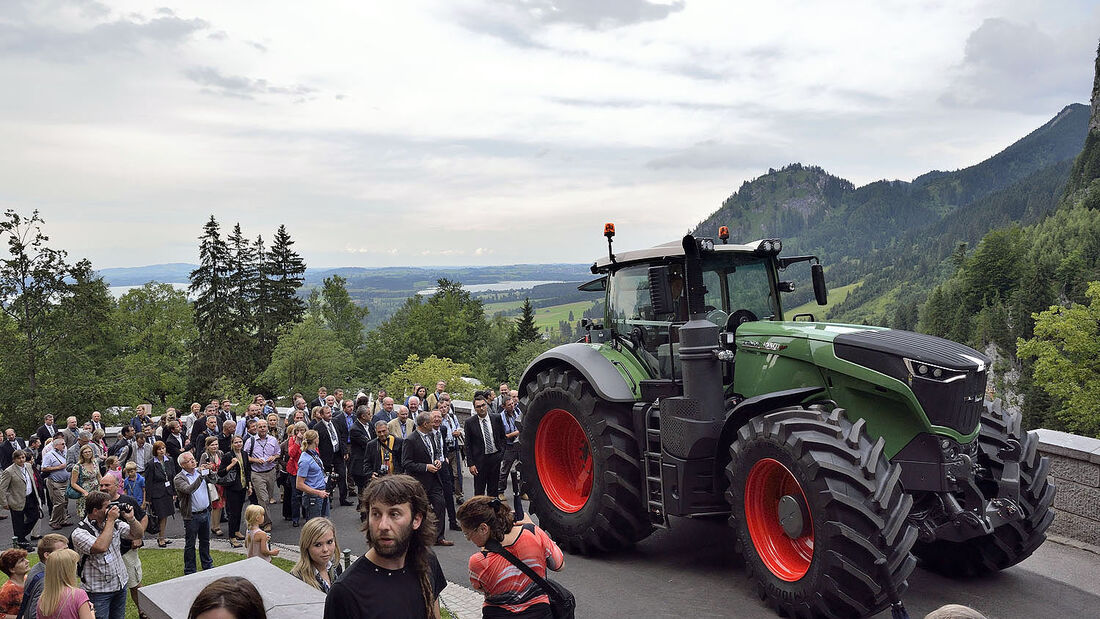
<point x="672" y="249"/>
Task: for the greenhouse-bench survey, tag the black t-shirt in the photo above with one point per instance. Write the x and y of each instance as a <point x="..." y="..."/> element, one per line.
<point x="126" y="544"/>
<point x="368" y="591"/>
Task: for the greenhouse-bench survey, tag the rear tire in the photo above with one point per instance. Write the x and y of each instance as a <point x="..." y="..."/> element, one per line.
<point x="581" y="463"/>
<point x="1009" y="543"/>
<point x="850" y="558"/>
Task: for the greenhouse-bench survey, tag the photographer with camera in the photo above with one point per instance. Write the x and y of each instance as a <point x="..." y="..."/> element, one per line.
<point x="312" y="481"/>
<point x="98" y="539"/>
<point x="127" y="504"/>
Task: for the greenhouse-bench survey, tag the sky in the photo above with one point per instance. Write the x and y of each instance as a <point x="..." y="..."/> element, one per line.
<point x="471" y="132"/>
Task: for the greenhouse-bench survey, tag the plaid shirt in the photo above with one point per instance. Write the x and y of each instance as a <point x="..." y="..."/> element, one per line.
<point x="103" y="572"/>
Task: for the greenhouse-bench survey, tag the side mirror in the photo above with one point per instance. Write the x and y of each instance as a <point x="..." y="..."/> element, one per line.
<point x="817" y="272"/>
<point x="660" y="290"/>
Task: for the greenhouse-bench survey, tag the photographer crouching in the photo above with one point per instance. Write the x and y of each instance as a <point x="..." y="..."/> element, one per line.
<point x="98" y="539"/>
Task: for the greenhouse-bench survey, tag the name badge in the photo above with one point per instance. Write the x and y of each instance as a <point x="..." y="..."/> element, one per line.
<point x="167" y="484"/>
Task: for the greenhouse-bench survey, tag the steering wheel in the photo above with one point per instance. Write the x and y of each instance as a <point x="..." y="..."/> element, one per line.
<point x="717" y="316"/>
<point x="739" y="318"/>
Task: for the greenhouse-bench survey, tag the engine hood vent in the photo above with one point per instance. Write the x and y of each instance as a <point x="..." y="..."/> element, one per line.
<point x="916" y="346"/>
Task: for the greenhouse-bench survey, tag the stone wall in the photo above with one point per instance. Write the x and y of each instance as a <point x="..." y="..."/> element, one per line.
<point x="1075" y="468"/>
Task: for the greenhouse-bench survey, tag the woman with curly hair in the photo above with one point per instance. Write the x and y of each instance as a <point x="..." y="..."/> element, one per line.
<point x="85" y="477"/>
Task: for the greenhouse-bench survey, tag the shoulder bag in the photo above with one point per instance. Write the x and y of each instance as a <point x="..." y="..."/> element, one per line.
<point x="562" y="603"/>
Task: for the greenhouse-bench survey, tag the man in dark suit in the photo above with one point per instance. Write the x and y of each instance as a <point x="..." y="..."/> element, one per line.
<point x="9" y="446"/>
<point x="359" y="436"/>
<point x="173" y="442"/>
<point x="322" y="393"/>
<point x="422" y="457"/>
<point x="484" y="449"/>
<point x="383" y="453"/>
<point x="332" y="446"/>
<point x="226" y="412"/>
<point x="97" y="422"/>
<point x="47" y="430"/>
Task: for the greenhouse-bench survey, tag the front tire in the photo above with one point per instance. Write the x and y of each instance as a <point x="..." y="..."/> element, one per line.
<point x="581" y="463"/>
<point x="1012" y="542"/>
<point x="819" y="514"/>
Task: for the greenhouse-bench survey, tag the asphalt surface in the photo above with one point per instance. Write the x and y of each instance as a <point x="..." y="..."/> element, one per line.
<point x="691" y="571"/>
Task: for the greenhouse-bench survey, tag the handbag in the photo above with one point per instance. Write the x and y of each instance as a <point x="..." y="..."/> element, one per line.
<point x="72" y="493"/>
<point x="229" y="476"/>
<point x="562" y="603"/>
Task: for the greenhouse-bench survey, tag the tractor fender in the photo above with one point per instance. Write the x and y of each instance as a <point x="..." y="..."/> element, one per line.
<point x="601" y="374"/>
<point x="751" y="407"/>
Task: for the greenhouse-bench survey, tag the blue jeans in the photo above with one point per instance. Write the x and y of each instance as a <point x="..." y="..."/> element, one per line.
<point x="110" y="605"/>
<point x="313" y="506"/>
<point x="198" y="525"/>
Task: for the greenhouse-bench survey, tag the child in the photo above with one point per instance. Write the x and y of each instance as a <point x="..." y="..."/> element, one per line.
<point x="111" y="467"/>
<point x="134" y="484"/>
<point x="255" y="539"/>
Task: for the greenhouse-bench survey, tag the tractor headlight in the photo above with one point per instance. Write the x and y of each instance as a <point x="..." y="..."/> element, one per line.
<point x="933" y="372"/>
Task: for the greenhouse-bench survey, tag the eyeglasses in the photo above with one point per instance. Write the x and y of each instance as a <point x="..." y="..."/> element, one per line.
<point x="481" y="405"/>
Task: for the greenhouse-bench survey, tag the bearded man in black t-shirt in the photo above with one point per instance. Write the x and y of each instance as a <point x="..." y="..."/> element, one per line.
<point x="399" y="577"/>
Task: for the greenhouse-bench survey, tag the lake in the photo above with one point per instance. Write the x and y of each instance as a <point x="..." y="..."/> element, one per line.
<point x="498" y="286"/>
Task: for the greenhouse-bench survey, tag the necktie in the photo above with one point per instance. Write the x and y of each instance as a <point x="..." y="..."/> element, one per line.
<point x="332" y="433"/>
<point x="438" y="444"/>
<point x="487" y="434"/>
<point x="431" y="448"/>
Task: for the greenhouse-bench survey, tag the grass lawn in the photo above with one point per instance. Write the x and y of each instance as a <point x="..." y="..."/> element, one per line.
<point x="836" y="295"/>
<point x="551" y="316"/>
<point x="158" y="565"/>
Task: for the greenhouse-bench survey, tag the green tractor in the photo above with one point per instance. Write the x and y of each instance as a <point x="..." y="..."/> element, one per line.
<point x="841" y="454"/>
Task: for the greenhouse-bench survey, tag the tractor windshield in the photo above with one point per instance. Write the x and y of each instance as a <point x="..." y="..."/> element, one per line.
<point x="737" y="282"/>
<point x="734" y="282"/>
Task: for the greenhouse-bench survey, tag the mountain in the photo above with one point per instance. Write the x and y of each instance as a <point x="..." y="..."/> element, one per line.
<point x="171" y="273"/>
<point x="858" y="230"/>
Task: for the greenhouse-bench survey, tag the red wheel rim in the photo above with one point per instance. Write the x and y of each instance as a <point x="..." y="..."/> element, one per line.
<point x="563" y="460"/>
<point x="788" y="558"/>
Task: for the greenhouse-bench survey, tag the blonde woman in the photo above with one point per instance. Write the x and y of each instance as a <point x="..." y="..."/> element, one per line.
<point x="318" y="564"/>
<point x="213" y="457"/>
<point x="61" y="598"/>
<point x="85" y="477"/>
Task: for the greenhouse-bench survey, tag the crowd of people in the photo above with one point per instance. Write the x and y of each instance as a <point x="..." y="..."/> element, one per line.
<point x="222" y="474"/>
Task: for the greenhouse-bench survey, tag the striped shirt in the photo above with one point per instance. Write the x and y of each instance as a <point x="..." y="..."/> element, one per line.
<point x="503" y="584"/>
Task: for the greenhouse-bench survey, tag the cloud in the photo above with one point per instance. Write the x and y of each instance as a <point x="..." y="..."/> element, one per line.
<point x="240" y="87"/>
<point x="125" y="36"/>
<point x="600" y="15"/>
<point x="1010" y="65"/>
<point x="713" y="154"/>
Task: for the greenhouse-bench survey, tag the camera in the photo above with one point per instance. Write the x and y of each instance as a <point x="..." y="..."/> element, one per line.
<point x="122" y="507"/>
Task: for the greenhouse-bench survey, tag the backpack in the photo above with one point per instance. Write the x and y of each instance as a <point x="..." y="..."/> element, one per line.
<point x="84" y="524"/>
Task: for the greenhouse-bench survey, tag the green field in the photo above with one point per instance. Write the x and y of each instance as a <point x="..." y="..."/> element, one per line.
<point x="551" y="316"/>
<point x="501" y="306"/>
<point x="836" y="295"/>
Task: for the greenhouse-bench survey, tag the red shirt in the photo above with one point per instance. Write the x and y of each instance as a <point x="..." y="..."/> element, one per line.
<point x="503" y="584"/>
<point x="293" y="451"/>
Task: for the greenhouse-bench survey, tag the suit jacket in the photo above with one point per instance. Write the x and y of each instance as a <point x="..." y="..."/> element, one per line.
<point x="316" y="402"/>
<point x="13" y="489"/>
<point x="374" y="456"/>
<point x="395" y="427"/>
<point x="7" y="451"/>
<point x="44" y="433"/>
<point x="415" y="459"/>
<point x="138" y="423"/>
<point x="324" y="444"/>
<point x="174" y="445"/>
<point x="475" y="442"/>
<point x="341" y="423"/>
<point x="360" y="437"/>
<point x="184" y="489"/>
<point x="156" y="475"/>
<point x="70" y="436"/>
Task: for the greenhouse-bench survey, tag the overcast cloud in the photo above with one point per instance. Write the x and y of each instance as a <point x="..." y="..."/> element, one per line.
<point x="490" y="131"/>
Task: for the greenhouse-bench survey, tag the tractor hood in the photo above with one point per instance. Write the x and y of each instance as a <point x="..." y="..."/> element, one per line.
<point x="859" y="343"/>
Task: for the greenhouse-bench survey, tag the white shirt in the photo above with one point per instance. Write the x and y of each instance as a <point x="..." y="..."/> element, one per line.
<point x="200" y="498"/>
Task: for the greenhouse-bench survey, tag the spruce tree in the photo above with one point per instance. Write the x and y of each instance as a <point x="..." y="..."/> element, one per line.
<point x="526" y="331"/>
<point x="261" y="308"/>
<point x="284" y="270"/>
<point x="241" y="278"/>
<point x="210" y="289"/>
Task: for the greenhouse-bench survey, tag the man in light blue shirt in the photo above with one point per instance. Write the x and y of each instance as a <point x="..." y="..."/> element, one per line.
<point x="194" y="500"/>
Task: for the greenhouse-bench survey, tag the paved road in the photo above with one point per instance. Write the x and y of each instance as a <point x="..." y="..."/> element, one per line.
<point x="691" y="571"/>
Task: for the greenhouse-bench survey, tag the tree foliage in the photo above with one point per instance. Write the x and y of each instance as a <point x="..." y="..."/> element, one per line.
<point x="526" y="331"/>
<point x="1066" y="350"/>
<point x="156" y="329"/>
<point x="308" y="355"/>
<point x="341" y="314"/>
<point x="426" y="372"/>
